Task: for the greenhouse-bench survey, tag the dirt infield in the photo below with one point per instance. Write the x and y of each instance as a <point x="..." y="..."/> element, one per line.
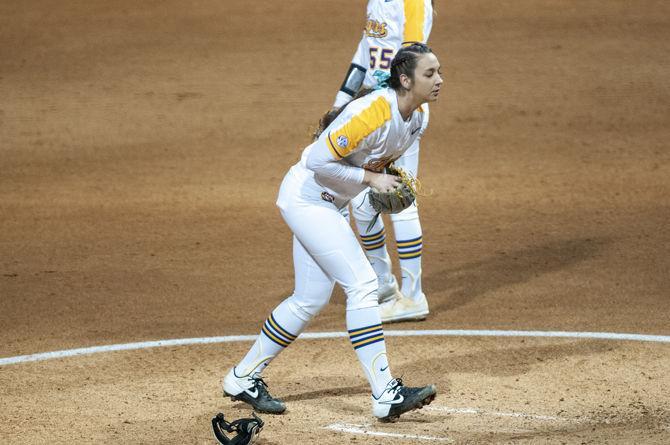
<point x="141" y="149"/>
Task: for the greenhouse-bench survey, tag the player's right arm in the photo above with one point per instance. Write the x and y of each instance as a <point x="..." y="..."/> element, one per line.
<point x="322" y="162"/>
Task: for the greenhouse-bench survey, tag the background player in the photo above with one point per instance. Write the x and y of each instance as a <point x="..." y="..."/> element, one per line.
<point x="349" y="155"/>
<point x="389" y="24"/>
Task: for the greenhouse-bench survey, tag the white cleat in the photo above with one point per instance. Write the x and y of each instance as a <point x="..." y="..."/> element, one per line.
<point x="404" y="309"/>
<point x="388" y="291"/>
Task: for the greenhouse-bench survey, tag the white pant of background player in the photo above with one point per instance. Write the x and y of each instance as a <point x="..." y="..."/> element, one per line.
<point x="389" y="25"/>
<point x="411" y="302"/>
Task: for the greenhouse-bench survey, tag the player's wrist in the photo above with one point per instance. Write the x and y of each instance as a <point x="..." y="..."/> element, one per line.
<point x="369" y="177"/>
<point x="341" y="99"/>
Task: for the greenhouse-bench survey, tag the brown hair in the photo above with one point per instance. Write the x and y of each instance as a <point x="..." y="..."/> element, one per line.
<point x="404" y="62"/>
<point x="330" y="115"/>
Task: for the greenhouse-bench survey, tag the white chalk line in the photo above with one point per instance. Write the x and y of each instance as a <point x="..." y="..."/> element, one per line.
<point x="481" y="412"/>
<point x="364" y="429"/>
<point x="321" y="335"/>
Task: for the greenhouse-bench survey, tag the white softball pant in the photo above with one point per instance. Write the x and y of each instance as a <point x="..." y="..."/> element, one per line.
<point x="325" y="251"/>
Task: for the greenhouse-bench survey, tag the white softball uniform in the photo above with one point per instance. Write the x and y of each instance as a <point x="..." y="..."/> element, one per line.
<point x="389" y="24"/>
<point x="369" y="134"/>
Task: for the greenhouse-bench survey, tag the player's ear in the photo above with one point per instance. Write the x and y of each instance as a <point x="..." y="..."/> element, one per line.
<point x="405" y="81"/>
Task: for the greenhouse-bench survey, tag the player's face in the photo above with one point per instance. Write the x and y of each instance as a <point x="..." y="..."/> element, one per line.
<point x="427" y="78"/>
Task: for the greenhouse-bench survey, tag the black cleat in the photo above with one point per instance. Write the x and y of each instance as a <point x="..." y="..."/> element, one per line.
<point x="252" y="390"/>
<point x="398" y="399"/>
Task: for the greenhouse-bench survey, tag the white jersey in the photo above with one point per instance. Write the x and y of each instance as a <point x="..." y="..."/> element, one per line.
<point x="389" y="24"/>
<point x="369" y="134"/>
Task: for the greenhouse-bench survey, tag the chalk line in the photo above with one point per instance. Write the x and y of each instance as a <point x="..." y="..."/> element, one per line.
<point x="321" y="335"/>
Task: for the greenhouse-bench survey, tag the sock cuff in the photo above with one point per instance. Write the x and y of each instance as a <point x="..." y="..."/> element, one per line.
<point x="275" y="332"/>
<point x="367" y="335"/>
<point x="374" y="241"/>
<point x="410" y="248"/>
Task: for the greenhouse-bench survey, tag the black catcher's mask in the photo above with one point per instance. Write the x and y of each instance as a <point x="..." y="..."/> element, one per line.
<point x="245" y="431"/>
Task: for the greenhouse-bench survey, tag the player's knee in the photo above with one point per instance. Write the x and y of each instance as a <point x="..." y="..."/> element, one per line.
<point x="307" y="308"/>
<point x="411" y="213"/>
<point x="363" y="295"/>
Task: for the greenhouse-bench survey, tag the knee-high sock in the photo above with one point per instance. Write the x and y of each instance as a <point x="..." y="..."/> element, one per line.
<point x="367" y="337"/>
<point x="374" y="246"/>
<point x="279" y="330"/>
<point x="409" y="240"/>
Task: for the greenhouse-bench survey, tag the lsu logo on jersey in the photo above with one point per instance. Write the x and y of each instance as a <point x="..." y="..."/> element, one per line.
<point x="327" y="197"/>
<point x="376" y="29"/>
<point x="378" y="165"/>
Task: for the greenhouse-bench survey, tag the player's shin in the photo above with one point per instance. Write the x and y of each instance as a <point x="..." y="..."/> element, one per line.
<point x="367" y="337"/>
<point x="409" y="241"/>
<point x="280" y="329"/>
<point x="373" y="240"/>
<point x="374" y="245"/>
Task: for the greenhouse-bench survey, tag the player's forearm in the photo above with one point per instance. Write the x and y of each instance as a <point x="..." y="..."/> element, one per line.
<point x="355" y="76"/>
<point x="341" y="99"/>
<point x="322" y="162"/>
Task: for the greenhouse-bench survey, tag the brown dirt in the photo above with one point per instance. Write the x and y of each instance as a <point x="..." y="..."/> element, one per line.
<point x="141" y="148"/>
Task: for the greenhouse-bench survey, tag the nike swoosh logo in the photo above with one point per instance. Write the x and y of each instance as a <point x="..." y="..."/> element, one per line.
<point x="398" y="399"/>
<point x="415" y="130"/>
<point x="253" y="393"/>
<point x="384" y="368"/>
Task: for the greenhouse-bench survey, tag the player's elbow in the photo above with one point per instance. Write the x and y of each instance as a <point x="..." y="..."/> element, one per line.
<point x="313" y="164"/>
<point x="316" y="161"/>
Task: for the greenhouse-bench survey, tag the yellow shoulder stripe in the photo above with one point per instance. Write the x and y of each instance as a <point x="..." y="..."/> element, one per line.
<point x="415" y="16"/>
<point x="345" y="140"/>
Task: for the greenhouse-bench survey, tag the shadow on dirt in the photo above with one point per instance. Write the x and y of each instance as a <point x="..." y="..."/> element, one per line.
<point x="328" y="392"/>
<point x="626" y="425"/>
<point x="466" y="282"/>
<point x="510" y="361"/>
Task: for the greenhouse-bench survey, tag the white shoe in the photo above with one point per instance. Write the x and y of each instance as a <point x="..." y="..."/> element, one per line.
<point x="397" y="399"/>
<point x="404" y="309"/>
<point x="388" y="291"/>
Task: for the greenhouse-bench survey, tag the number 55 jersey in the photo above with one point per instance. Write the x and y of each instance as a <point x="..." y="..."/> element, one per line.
<point x="389" y="24"/>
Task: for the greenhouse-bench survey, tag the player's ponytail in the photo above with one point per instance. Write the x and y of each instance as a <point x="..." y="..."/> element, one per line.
<point x="405" y="62"/>
<point x="330" y="115"/>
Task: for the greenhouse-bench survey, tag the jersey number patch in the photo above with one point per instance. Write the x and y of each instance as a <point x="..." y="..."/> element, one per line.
<point x="380" y="58"/>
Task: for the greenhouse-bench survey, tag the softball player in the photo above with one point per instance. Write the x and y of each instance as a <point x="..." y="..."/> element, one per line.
<point x="349" y="155"/>
<point x="389" y="24"/>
